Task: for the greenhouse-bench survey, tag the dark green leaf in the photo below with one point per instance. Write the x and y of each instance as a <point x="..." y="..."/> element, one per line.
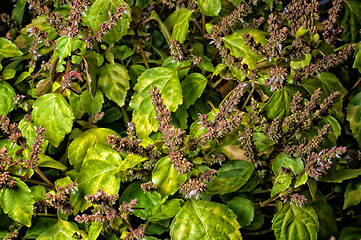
<point x="18" y="11"/>
<point x="243" y="208"/>
<point x="114" y="82"/>
<point x="329" y="83"/>
<point x="351" y="21"/>
<point x="354" y="117"/>
<point x="193" y="86"/>
<point x="295" y="222"/>
<point x="54" y="113"/>
<point x="199" y="219"/>
<point x="279" y="103"/>
<point x="350" y="233"/>
<point x="339" y="175"/>
<point x="162" y="27"/>
<point x="328" y="226"/>
<point x="146" y="200"/>
<point x="39" y="226"/>
<point x="230" y="177"/>
<point x="352" y="193"/>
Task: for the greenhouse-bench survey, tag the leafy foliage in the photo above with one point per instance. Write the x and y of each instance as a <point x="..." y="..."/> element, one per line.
<point x="180" y="119"/>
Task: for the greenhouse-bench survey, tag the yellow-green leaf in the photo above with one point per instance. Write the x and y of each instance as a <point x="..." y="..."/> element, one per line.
<point x="199" y="219"/>
<point x="18" y="202"/>
<point x="54" y="113"/>
<point x="167" y="82"/>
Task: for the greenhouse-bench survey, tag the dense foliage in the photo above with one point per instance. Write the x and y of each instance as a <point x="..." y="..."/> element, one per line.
<point x="181" y="119"/>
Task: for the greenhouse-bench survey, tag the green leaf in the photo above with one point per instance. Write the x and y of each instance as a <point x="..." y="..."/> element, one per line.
<point x="230" y="177"/>
<point x="18" y="11"/>
<point x="243" y="208"/>
<point x="114" y="82"/>
<point x="328" y="226"/>
<point x="162" y="27"/>
<point x="181" y="25"/>
<point x="82" y="143"/>
<point x="192" y="87"/>
<point x="357" y="62"/>
<point x="262" y="142"/>
<point x="38" y="193"/>
<point x="301" y="179"/>
<point x="199" y="219"/>
<point x="239" y="48"/>
<point x="130" y="161"/>
<point x="94" y="230"/>
<point x="122" y="52"/>
<point x="282" y="182"/>
<point x="350" y="233"/>
<point x="352" y="194"/>
<point x="279" y="103"/>
<point x="98" y="13"/>
<point x="54" y="113"/>
<point x="329" y="83"/>
<point x="353" y="116"/>
<point x="351" y="21"/>
<point x="206" y="65"/>
<point x="166" y="210"/>
<point x="341" y="174"/>
<point x="302" y="63"/>
<point x="18" y="202"/>
<point x="167" y="82"/>
<point x="282" y="160"/>
<point x="8" y="73"/>
<point x="46" y="161"/>
<point x="92" y="105"/>
<point x="295" y="222"/>
<point x="180" y="118"/>
<point x="146" y="200"/>
<point x="39" y="226"/>
<point x="64" y="46"/>
<point x="61" y="230"/>
<point x="8" y="49"/>
<point x="6" y="98"/>
<point x="166" y="177"/>
<point x="210" y="7"/>
<point x="97" y="172"/>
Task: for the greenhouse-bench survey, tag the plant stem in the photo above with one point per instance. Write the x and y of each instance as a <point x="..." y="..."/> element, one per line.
<point x="141" y="48"/>
<point x="259" y="233"/>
